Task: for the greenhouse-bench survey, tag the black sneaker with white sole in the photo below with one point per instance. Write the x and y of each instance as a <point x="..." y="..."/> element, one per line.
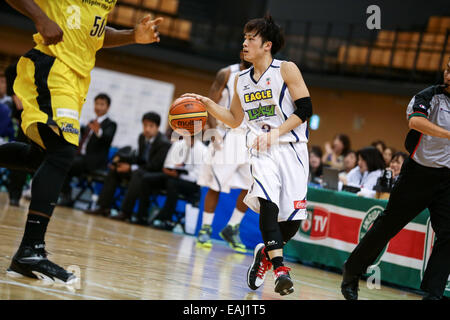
<point x="283" y="281"/>
<point x="31" y="261"/>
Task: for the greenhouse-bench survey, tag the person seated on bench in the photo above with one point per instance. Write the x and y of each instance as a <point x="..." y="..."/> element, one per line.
<point x="96" y="139"/>
<point x="152" y="150"/>
<point x="181" y="168"/>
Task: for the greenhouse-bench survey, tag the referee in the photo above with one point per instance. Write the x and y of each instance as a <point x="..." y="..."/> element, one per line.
<point x="424" y="182"/>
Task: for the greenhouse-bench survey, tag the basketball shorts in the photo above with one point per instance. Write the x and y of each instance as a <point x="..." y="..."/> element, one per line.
<point x="51" y="93"/>
<point x="227" y="168"/>
<point x="280" y="175"/>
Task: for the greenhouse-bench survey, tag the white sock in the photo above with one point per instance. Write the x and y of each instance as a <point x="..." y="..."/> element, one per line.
<point x="236" y="217"/>
<point x="208" y="218"/>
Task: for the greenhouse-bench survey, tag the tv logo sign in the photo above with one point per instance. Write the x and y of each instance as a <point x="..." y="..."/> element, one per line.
<point x="316" y="225"/>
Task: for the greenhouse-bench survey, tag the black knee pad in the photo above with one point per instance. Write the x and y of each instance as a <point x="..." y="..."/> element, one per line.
<point x="59" y="152"/>
<point x="268" y="224"/>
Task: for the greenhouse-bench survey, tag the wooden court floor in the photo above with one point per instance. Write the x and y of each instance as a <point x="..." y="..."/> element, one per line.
<point x="118" y="260"/>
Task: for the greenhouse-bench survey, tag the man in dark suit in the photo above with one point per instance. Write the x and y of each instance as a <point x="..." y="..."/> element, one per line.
<point x="153" y="148"/>
<point x="96" y="139"/>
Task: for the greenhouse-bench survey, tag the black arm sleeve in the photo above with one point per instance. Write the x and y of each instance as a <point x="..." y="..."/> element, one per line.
<point x="304" y="108"/>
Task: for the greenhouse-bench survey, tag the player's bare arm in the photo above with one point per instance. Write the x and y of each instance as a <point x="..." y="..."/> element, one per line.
<point x="215" y="92"/>
<point x="425" y="126"/>
<point x="297" y="89"/>
<point x="232" y="117"/>
<point x="145" y="32"/>
<point x="48" y="29"/>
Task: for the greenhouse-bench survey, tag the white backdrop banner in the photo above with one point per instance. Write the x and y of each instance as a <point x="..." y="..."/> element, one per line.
<point x="131" y="97"/>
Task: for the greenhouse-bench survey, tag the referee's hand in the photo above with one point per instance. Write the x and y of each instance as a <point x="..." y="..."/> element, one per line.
<point x="50" y="31"/>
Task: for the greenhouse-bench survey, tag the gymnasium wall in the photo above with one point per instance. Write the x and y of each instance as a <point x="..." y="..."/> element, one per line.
<point x="409" y="14"/>
<point x="363" y="116"/>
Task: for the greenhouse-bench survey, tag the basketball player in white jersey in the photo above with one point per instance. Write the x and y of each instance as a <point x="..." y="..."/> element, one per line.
<point x="274" y="101"/>
<point x="227" y="166"/>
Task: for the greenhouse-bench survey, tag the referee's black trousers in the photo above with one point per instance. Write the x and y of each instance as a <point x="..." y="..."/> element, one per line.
<point x="416" y="189"/>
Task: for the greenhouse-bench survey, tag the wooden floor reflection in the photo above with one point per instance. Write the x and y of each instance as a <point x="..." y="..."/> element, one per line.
<point x="118" y="260"/>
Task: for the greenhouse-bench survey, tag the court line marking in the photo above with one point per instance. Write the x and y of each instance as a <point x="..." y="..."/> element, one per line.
<point x="49" y="290"/>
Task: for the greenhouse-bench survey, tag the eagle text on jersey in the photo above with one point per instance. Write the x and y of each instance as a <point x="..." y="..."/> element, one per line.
<point x="258" y="95"/>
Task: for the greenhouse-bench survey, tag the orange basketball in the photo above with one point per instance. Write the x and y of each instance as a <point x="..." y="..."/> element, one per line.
<point x="188" y="114"/>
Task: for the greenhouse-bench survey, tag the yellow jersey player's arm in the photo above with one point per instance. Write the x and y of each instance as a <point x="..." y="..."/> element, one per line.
<point x="48" y="29"/>
<point x="297" y="89"/>
<point x="215" y="92"/>
<point x="232" y="117"/>
<point x="145" y="32"/>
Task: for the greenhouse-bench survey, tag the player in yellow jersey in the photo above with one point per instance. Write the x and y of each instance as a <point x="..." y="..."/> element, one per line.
<point x="52" y="83"/>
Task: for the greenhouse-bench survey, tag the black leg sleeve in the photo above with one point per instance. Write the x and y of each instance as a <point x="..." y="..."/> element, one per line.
<point x="289" y="229"/>
<point x="49" y="178"/>
<point x="268" y="224"/>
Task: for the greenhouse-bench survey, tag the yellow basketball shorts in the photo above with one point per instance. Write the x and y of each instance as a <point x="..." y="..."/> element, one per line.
<point x="51" y="93"/>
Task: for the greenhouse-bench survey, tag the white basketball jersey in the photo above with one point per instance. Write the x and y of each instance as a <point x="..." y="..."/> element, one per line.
<point x="267" y="103"/>
<point x="228" y="92"/>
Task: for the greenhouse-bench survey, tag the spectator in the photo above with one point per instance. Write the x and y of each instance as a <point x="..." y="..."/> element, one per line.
<point x="380" y="145"/>
<point x="369" y="169"/>
<point x="181" y="169"/>
<point x="6" y="125"/>
<point x="350" y="162"/>
<point x="334" y="155"/>
<point x="153" y="148"/>
<point x="315" y="164"/>
<point x="396" y="164"/>
<point x="387" y="155"/>
<point x="4" y="97"/>
<point x="93" y="151"/>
